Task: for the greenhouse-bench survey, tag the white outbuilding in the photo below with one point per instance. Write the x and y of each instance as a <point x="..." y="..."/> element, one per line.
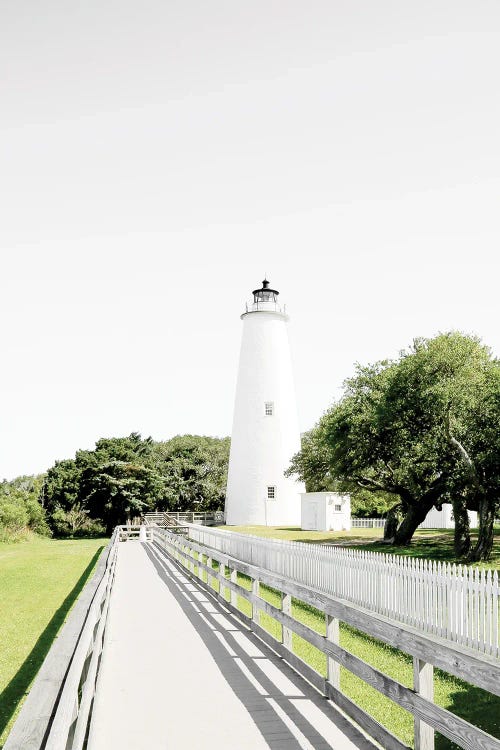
<point x="265" y="432"/>
<point x="443" y="519"/>
<point x="325" y="511"/>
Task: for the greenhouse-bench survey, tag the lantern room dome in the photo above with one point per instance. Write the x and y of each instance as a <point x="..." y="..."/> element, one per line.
<point x="265" y="294"/>
<point x="265" y="299"/>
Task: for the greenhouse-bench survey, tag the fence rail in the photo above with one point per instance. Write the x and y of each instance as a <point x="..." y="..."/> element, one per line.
<point x="427" y="651"/>
<point x="57" y="710"/>
<point x="455" y="602"/>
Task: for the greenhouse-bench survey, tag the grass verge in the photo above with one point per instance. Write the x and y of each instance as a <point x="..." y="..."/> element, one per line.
<point x="39" y="582"/>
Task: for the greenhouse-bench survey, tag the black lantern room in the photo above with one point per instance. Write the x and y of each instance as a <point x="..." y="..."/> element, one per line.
<point x="265" y="294"/>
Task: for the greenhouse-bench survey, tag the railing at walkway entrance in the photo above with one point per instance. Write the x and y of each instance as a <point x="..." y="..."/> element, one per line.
<point x="456" y="602"/>
<point x="210" y="568"/>
<point x="171" y="518"/>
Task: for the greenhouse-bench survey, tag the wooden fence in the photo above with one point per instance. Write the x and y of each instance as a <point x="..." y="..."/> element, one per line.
<point x="427" y="651"/>
<point x="456" y="602"/>
<point x="56" y="713"/>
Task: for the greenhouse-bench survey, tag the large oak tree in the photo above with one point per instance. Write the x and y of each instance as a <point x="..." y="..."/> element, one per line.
<point x="421" y="428"/>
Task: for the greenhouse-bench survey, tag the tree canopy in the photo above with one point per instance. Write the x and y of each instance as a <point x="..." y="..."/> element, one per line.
<point x="194" y="470"/>
<point x="420" y="428"/>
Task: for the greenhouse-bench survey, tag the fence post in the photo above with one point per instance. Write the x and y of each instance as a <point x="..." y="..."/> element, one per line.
<point x="234" y="595"/>
<point x="423" y="684"/>
<point x="209" y="565"/>
<point x="255" y="592"/>
<point x="286" y="607"/>
<point x="222" y="573"/>
<point x="332" y="666"/>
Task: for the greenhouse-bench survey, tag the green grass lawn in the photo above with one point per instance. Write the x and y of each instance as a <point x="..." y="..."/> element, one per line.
<point x="436" y="544"/>
<point x="39" y="582"/>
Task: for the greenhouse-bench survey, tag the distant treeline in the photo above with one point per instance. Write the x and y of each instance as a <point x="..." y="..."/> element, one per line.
<point x="121" y="479"/>
<point x="118" y="480"/>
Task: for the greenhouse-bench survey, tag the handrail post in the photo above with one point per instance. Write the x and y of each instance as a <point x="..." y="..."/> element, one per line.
<point x="423" y="684"/>
<point x="222" y="574"/>
<point x="286" y="633"/>
<point x="191" y="559"/>
<point x="332" y="666"/>
<point x="255" y="592"/>
<point x="234" y="595"/>
<point x="209" y="565"/>
<point x="200" y="563"/>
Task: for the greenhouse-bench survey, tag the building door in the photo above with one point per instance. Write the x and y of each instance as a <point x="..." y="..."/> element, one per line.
<point x="312" y="516"/>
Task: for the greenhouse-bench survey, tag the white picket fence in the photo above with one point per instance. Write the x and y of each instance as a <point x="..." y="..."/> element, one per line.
<point x="452" y="601"/>
<point x="435" y="519"/>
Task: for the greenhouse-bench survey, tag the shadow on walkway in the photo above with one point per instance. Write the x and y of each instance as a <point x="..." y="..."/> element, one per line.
<point x="288" y="712"/>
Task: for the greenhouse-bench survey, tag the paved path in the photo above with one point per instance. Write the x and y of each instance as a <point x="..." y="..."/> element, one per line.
<point x="181" y="673"/>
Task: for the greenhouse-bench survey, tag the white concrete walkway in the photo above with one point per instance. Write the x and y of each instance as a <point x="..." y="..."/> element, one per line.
<point x="180" y="673"/>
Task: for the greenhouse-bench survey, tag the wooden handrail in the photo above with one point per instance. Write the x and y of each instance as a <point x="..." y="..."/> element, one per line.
<point x="57" y="709"/>
<point x="459" y="603"/>
<point x="428" y="651"/>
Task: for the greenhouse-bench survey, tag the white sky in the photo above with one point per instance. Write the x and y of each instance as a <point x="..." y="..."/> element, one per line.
<point x="157" y="157"/>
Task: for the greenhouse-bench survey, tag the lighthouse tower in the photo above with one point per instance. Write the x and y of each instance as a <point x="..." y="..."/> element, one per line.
<point x="265" y="427"/>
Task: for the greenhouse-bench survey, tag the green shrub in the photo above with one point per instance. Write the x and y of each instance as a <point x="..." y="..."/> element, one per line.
<point x="13" y="520"/>
<point x="13" y="516"/>
<point x="75" y="523"/>
<point x="36" y="517"/>
<point x="21" y="513"/>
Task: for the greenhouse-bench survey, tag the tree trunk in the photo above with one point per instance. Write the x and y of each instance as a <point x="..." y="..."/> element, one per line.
<point x="394" y="517"/>
<point x="462" y="530"/>
<point x="484" y="545"/>
<point x="414" y="516"/>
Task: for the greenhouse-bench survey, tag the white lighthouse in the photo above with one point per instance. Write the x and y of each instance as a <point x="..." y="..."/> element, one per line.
<point x="265" y="432"/>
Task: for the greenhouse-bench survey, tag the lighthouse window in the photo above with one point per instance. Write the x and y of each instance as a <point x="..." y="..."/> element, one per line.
<point x="271" y="493"/>
<point x="338" y="508"/>
<point x="269" y="408"/>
